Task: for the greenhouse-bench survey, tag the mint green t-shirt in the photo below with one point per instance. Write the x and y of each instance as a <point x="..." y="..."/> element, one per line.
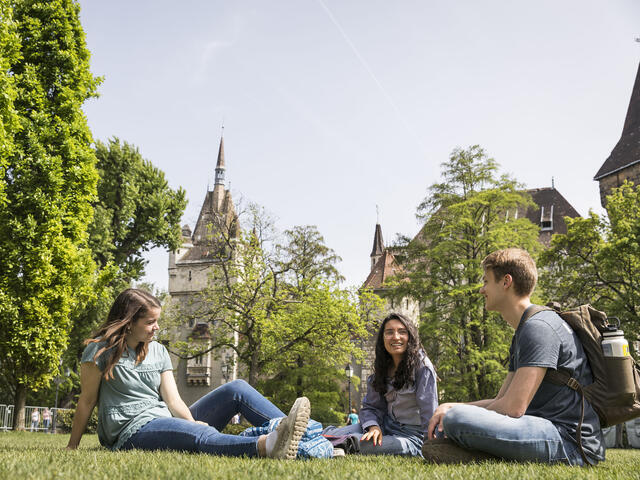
<point x="131" y="398"/>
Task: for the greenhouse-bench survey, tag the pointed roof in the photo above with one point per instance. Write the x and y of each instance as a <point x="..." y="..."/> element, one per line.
<point x="552" y="201"/>
<point x="627" y="150"/>
<point x="378" y="243"/>
<point x="385" y="268"/>
<point x="220" y="162"/>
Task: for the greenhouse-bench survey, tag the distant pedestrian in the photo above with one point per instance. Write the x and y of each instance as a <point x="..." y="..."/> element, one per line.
<point x="46" y="419"/>
<point x="35" y="419"/>
<point x="352" y="418"/>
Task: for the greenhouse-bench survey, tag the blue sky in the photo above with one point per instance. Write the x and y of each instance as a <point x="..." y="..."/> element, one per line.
<point x="333" y="107"/>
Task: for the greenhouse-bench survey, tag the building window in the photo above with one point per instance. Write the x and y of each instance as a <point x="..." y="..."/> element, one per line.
<point x="546" y="219"/>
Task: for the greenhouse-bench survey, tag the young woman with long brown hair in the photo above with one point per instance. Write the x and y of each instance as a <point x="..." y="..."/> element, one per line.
<point x="401" y="394"/>
<point x="130" y="377"/>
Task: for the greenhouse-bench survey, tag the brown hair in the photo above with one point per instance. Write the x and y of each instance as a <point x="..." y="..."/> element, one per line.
<point x="517" y="263"/>
<point x="127" y="308"/>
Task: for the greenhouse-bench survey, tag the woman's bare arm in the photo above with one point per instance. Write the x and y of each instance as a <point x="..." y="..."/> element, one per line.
<point x="171" y="397"/>
<point x="90" y="377"/>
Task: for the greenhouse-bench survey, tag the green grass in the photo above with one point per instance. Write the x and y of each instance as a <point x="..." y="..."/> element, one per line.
<point x="25" y="455"/>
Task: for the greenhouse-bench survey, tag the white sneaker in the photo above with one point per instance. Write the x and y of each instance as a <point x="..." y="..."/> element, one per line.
<point x="338" y="452"/>
<point x="291" y="429"/>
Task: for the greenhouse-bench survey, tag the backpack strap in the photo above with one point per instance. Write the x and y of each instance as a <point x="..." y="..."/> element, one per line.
<point x="532" y="310"/>
<point x="562" y="377"/>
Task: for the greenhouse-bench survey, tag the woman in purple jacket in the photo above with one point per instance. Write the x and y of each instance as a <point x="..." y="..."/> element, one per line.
<point x="401" y="394"/>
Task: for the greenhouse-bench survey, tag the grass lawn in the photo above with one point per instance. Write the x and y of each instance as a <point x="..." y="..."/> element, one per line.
<point x="25" y="455"/>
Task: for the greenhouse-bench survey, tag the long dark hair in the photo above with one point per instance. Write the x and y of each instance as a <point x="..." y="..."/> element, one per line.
<point x="127" y="308"/>
<point x="406" y="371"/>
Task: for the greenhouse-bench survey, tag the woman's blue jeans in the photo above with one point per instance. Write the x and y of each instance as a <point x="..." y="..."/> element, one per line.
<point x="397" y="438"/>
<point x="526" y="439"/>
<point x="216" y="408"/>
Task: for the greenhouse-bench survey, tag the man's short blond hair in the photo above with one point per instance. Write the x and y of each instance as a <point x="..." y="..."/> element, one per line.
<point x="517" y="263"/>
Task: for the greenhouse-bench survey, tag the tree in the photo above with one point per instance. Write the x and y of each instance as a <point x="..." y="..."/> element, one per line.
<point x="136" y="210"/>
<point x="278" y="305"/>
<point x="305" y="258"/>
<point x="597" y="261"/>
<point x="466" y="217"/>
<point x="322" y="331"/>
<point x="49" y="181"/>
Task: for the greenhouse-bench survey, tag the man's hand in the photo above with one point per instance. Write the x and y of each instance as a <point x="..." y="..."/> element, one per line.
<point x="436" y="420"/>
<point x="374" y="434"/>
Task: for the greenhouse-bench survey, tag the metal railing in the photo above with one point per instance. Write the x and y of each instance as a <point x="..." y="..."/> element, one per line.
<point x="36" y="419"/>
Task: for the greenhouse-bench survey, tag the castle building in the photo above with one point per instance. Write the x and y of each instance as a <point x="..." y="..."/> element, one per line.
<point x="624" y="161"/>
<point x="189" y="272"/>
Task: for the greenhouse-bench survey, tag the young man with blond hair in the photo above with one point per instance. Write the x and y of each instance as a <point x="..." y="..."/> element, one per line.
<point x="529" y="419"/>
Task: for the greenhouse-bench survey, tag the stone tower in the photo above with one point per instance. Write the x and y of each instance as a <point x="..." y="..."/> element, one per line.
<point x="624" y="161"/>
<point x="189" y="271"/>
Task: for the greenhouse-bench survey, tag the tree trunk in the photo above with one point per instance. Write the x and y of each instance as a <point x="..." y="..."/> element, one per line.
<point x="299" y="392"/>
<point x="18" y="408"/>
<point x="253" y="369"/>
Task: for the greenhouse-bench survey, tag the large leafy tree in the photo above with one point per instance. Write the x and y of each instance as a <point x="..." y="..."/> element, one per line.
<point x="136" y="210"/>
<point x="48" y="182"/>
<point x="467" y="216"/>
<point x="276" y="302"/>
<point x="598" y="261"/>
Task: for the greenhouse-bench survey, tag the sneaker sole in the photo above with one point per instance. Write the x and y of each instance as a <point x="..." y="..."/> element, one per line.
<point x="300" y="412"/>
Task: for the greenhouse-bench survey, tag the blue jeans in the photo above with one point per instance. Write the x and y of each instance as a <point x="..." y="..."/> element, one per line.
<point x="397" y="438"/>
<point x="526" y="439"/>
<point x="216" y="409"/>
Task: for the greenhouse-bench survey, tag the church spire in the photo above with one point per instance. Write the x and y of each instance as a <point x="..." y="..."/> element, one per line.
<point x="220" y="164"/>
<point x="632" y="121"/>
<point x="378" y="245"/>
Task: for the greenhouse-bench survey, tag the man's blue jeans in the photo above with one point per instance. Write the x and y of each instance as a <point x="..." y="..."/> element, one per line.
<point x="526" y="439"/>
<point x="397" y="438"/>
<point x="216" y="408"/>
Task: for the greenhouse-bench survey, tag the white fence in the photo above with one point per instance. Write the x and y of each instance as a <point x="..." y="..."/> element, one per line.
<point x="36" y="419"/>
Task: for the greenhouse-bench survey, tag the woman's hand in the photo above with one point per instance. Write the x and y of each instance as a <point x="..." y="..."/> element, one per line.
<point x="436" y="420"/>
<point x="374" y="434"/>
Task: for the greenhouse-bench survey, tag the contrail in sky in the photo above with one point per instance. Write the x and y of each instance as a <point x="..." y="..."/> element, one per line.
<point x="366" y="66"/>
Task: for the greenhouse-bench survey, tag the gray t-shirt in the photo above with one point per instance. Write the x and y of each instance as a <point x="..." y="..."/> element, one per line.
<point x="545" y="340"/>
<point x="131" y="398"/>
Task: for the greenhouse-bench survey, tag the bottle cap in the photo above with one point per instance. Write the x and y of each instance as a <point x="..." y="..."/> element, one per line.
<point x="612" y="332"/>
